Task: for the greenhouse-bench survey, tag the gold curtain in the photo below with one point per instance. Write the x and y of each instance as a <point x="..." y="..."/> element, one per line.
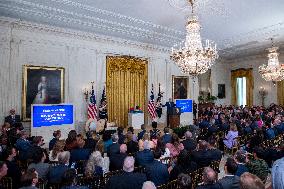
<point x="280" y="92"/>
<point x="249" y="87"/>
<point x="126" y="86"/>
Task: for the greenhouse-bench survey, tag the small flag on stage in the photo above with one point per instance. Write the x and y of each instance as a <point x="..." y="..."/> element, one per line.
<point x="151" y="105"/>
<point x="92" y="107"/>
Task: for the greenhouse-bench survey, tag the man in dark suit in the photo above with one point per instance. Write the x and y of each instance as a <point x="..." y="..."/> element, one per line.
<point x="157" y="172"/>
<point x="201" y="156"/>
<point x="23" y="145"/>
<point x="56" y="173"/>
<point x="189" y="144"/>
<point x="209" y="180"/>
<point x="169" y="106"/>
<point x="145" y="156"/>
<point x="80" y="153"/>
<point x="230" y="181"/>
<point x="167" y="137"/>
<point x="116" y="160"/>
<point x="12" y="119"/>
<point x="127" y="180"/>
<point x="214" y="153"/>
<point x="114" y="147"/>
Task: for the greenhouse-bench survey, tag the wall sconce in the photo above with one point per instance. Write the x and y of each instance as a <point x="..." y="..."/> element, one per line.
<point x="263" y="94"/>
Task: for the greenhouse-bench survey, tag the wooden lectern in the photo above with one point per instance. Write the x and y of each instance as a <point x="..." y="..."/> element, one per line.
<point x="174" y="117"/>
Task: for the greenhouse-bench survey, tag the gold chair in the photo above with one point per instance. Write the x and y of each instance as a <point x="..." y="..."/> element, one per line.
<point x="6" y="182"/>
<point x="170" y="185"/>
<point x="94" y="182"/>
<point x="196" y="177"/>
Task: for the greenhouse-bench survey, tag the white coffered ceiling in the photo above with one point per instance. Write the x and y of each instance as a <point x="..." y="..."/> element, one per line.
<point x="238" y="26"/>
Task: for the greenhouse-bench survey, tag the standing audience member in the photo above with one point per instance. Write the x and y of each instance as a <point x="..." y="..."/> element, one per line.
<point x="250" y="181"/>
<point x="141" y="133"/>
<point x="278" y="174"/>
<point x="12" y="119"/>
<point x="129" y="179"/>
<point x="55" y="173"/>
<point x="155" y="132"/>
<point x="14" y="170"/>
<point x="116" y="160"/>
<point x="69" y="180"/>
<point x="230" y="181"/>
<point x="157" y="172"/>
<point x="209" y="178"/>
<point x="56" y="135"/>
<point x="30" y="179"/>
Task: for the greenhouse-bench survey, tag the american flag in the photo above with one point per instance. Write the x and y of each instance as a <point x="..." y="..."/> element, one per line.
<point x="151" y="105"/>
<point x="92" y="107"/>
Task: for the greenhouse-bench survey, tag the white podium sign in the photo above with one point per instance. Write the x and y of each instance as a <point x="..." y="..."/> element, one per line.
<point x="135" y="120"/>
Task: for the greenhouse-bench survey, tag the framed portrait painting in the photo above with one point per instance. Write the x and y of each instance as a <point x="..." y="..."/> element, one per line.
<point x="180" y="87"/>
<point x="41" y="85"/>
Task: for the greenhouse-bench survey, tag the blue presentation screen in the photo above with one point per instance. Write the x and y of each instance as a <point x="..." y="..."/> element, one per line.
<point x="185" y="105"/>
<point x="52" y="115"/>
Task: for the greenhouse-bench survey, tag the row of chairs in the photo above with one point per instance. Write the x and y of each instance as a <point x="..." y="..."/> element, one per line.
<point x="273" y="142"/>
<point x="196" y="177"/>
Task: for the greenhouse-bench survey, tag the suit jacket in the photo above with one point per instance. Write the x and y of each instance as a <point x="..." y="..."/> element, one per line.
<point x="55" y="173"/>
<point x="126" y="181"/>
<point x="116" y="161"/>
<point x="23" y="146"/>
<point x="189" y="144"/>
<point x="79" y="154"/>
<point x="241" y="169"/>
<point x="215" y="154"/>
<point x="12" y="121"/>
<point x="230" y="182"/>
<point x="144" y="157"/>
<point x="157" y="172"/>
<point x="132" y="147"/>
<point x="167" y="138"/>
<point x="202" y="158"/>
<point x="113" y="149"/>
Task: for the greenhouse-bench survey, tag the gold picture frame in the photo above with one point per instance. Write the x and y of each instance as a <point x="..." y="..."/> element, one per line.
<point x="41" y="85"/>
<point x="180" y="87"/>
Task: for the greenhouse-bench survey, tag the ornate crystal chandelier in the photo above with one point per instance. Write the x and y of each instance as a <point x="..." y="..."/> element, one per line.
<point x="273" y="71"/>
<point x="193" y="58"/>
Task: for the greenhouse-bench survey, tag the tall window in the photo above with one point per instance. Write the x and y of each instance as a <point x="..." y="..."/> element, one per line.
<point x="241" y="91"/>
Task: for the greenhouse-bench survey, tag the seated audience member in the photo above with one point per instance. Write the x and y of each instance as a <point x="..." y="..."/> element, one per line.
<point x="107" y="140"/>
<point x="201" y="156"/>
<point x="240" y="158"/>
<point x="114" y="147"/>
<point x="175" y="146"/>
<point x="204" y="124"/>
<point x="30" y="179"/>
<point x="148" y="185"/>
<point x="132" y="146"/>
<point x="131" y="129"/>
<point x="229" y="140"/>
<point x="269" y="132"/>
<point x="167" y="137"/>
<point x="189" y="144"/>
<point x="39" y="165"/>
<point x="3" y="172"/>
<point x="14" y="170"/>
<point x="258" y="166"/>
<point x="255" y="140"/>
<point x="23" y="145"/>
<point x="230" y="180"/>
<point x="157" y="172"/>
<point x="209" y="178"/>
<point x="55" y="173"/>
<point x="250" y="181"/>
<point x="92" y="139"/>
<point x="121" y="136"/>
<point x="146" y="137"/>
<point x="94" y="165"/>
<point x="116" y="160"/>
<point x="129" y="179"/>
<point x="57" y="148"/>
<point x="79" y="153"/>
<point x="69" y="180"/>
<point x="13" y="135"/>
<point x="155" y="132"/>
<point x="184" y="181"/>
<point x="71" y="141"/>
<point x="100" y="146"/>
<point x="145" y="156"/>
<point x="183" y="165"/>
<point x="141" y="133"/>
<point x="56" y="135"/>
<point x="278" y="174"/>
<point x="214" y="153"/>
<point x="38" y="142"/>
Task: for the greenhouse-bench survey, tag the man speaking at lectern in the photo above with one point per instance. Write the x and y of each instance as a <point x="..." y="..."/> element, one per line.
<point x="170" y="104"/>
